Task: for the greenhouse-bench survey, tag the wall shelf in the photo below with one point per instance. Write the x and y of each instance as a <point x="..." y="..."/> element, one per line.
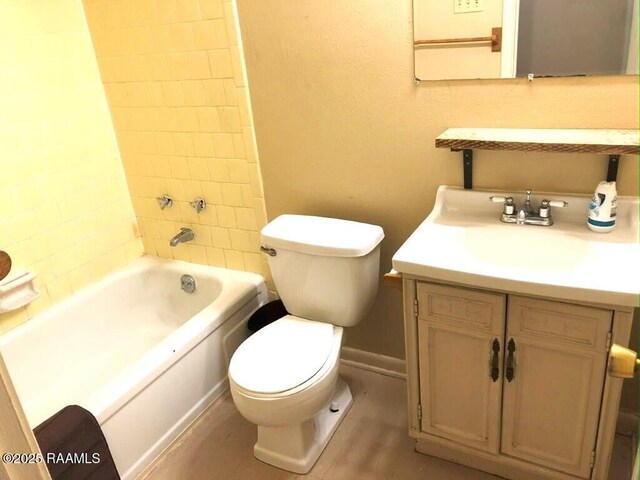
<point x="611" y="142"/>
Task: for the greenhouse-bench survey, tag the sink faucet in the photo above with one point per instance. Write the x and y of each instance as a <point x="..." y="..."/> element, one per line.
<point x="526" y="215"/>
<point x="183" y="236"/>
<point x="527" y="203"/>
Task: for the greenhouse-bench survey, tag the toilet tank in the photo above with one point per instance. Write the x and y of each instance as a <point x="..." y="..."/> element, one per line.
<point x="325" y="269"/>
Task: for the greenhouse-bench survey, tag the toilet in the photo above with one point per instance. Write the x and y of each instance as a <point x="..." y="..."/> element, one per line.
<point x="284" y="378"/>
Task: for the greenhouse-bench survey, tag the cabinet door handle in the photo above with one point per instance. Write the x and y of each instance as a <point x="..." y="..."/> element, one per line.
<point x="511" y="368"/>
<point x="495" y="367"/>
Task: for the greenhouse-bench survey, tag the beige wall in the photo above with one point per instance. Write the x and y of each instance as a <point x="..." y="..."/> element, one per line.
<point x="175" y="81"/>
<point x="343" y="131"/>
<point x="436" y="20"/>
<point x="65" y="211"/>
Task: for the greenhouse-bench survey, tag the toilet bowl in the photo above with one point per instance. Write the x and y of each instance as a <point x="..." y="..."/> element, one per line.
<point x="295" y="423"/>
<point x="284" y="378"/>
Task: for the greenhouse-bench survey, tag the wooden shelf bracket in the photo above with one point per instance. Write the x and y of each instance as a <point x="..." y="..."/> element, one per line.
<point x="467" y="168"/>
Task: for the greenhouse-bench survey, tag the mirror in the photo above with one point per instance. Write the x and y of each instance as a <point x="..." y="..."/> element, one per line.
<point x="465" y="39"/>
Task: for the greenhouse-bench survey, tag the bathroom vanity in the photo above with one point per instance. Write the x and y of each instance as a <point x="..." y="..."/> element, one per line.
<point x="508" y="330"/>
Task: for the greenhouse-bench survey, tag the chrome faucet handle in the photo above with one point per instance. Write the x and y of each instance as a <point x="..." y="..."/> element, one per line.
<point x="545" y="207"/>
<point x="509" y="206"/>
<point x="508" y="202"/>
<point x="544" y="210"/>
<point x="199" y="204"/>
<point x="165" y="201"/>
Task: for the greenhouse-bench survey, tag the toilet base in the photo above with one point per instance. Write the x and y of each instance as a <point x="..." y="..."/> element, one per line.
<point x="296" y="448"/>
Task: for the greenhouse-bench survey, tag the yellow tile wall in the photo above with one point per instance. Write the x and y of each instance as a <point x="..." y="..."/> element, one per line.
<point x="65" y="211"/>
<point x="174" y="75"/>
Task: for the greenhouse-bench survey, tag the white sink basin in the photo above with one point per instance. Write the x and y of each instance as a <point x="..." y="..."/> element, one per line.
<point x="463" y="241"/>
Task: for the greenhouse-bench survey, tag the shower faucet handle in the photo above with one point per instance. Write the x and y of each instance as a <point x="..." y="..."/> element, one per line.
<point x="199" y="204"/>
<point x="165" y="201"/>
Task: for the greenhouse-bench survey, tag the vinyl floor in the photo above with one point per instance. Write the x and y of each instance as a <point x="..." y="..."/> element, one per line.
<point x="371" y="444"/>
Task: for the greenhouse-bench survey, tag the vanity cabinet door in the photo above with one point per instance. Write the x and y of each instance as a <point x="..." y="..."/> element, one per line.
<point x="460" y="333"/>
<point x="554" y="374"/>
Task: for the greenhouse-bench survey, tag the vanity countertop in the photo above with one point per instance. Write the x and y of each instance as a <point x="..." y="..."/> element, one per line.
<point x="463" y="241"/>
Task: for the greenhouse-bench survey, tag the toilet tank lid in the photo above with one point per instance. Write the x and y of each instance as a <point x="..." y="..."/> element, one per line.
<point x="321" y="235"/>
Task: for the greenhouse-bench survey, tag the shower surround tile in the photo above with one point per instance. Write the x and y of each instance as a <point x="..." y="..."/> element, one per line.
<point x="177" y="89"/>
<point x="65" y="211"/>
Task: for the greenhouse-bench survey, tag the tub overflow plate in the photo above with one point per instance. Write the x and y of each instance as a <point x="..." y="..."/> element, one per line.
<point x="188" y="283"/>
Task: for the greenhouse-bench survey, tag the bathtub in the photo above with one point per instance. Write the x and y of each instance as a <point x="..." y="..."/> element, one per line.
<point x="137" y="351"/>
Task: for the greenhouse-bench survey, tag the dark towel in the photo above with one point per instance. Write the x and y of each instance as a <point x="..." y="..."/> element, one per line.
<point x="74" y="447"/>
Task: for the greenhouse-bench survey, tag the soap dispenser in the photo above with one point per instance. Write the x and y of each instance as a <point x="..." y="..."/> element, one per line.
<point x="602" y="209"/>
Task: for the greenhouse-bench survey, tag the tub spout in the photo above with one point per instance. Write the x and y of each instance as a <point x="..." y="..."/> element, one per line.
<point x="185" y="235"/>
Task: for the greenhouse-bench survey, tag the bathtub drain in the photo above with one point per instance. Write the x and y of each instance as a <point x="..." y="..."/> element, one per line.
<point x="188" y="283"/>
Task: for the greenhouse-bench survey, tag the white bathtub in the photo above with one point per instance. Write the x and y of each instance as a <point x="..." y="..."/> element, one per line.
<point x="137" y="351"/>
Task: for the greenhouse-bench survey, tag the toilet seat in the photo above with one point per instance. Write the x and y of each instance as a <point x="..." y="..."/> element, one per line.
<point x="281" y="356"/>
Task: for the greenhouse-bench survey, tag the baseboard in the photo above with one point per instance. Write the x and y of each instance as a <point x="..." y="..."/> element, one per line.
<point x="374" y="362"/>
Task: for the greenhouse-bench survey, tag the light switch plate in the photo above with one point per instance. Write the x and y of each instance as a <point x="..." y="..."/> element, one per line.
<point x="468" y="6"/>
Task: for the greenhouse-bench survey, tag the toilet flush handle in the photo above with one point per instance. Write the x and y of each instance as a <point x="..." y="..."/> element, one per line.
<point x="269" y="251"/>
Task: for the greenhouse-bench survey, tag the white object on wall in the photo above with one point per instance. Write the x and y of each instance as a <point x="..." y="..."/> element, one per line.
<point x="17" y="290"/>
<point x="468" y="6"/>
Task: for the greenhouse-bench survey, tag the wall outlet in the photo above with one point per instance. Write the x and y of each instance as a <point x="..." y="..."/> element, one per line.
<point x="467" y="6"/>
